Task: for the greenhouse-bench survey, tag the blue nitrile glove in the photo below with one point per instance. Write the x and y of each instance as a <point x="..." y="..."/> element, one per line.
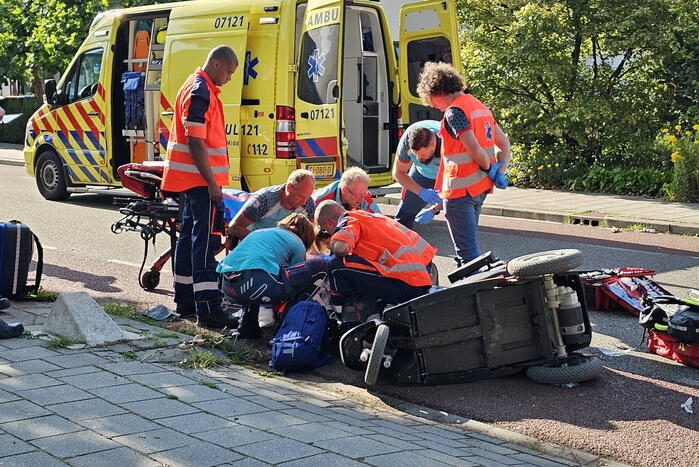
<point x="501" y="181"/>
<point x="424" y="216"/>
<point x="430" y="196"/>
<point x="493" y="171"/>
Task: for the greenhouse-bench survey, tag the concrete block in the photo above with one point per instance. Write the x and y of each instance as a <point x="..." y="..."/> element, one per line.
<point x="74" y="444"/>
<point x="78" y="316"/>
<point x="357" y="447"/>
<point x="41" y="427"/>
<point x="280" y="450"/>
<point x="32" y="459"/>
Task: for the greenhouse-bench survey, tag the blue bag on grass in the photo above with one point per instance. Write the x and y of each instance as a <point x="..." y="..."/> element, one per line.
<point x="298" y="344"/>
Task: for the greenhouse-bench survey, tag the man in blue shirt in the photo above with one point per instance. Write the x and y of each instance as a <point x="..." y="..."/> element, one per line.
<point x="415" y="168"/>
<point x="351" y="191"/>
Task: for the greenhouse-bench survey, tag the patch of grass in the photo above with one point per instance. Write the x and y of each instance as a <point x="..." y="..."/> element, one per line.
<point x="61" y="342"/>
<point x="636" y="228"/>
<point x="158" y="343"/>
<point x="167" y="335"/>
<point x="43" y="296"/>
<point x="270" y="374"/>
<point x="241" y="355"/>
<point x="124" y="310"/>
<point x="200" y="360"/>
<point x="129" y="354"/>
<point x="171" y="396"/>
<point x="209" y="384"/>
<point x="29" y="335"/>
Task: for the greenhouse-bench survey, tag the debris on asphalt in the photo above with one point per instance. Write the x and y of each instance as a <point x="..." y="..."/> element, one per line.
<point x="615" y="229"/>
<point x="649" y="230"/>
<point x="687" y="406"/>
<point x="196" y="341"/>
<point x="76" y="346"/>
<point x="161" y="313"/>
<point x="568" y="385"/>
<point x="615" y="353"/>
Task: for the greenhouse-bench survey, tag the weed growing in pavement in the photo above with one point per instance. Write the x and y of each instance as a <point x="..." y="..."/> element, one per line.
<point x="270" y="374"/>
<point x="209" y="384"/>
<point x="159" y="343"/>
<point x="200" y="360"/>
<point x="241" y="355"/>
<point x="61" y="342"/>
<point x="29" y="335"/>
<point x="43" y="296"/>
<point x="171" y="396"/>
<point x="123" y="310"/>
<point x="167" y="335"/>
<point x="636" y="228"/>
<point x="129" y="354"/>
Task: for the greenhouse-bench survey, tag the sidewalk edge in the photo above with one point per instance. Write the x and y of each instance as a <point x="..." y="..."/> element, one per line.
<point x="10" y="161"/>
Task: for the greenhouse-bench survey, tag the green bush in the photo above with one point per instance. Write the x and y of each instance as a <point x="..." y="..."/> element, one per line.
<point x="13" y="132"/>
<point x="624" y="181"/>
<point x="683" y="146"/>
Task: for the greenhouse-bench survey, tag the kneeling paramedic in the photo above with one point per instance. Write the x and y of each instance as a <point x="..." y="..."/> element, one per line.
<point x="197" y="167"/>
<point x="351" y="191"/>
<point x="376" y="257"/>
<point x="268" y="267"/>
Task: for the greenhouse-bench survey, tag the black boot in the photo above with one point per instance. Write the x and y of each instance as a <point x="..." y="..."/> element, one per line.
<point x="186" y="310"/>
<point x="8" y="331"/>
<point x="217" y="320"/>
<point x="4" y="303"/>
<point x="249" y="326"/>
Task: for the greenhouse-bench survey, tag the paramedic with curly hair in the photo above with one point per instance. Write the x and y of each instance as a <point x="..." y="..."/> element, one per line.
<point x="197" y="167"/>
<point x="468" y="167"/>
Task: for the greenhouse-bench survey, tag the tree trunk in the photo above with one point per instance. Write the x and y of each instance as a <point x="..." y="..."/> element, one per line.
<point x="37" y="88"/>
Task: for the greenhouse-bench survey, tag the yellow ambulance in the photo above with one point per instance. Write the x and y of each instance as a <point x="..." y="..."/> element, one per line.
<point x="322" y="85"/>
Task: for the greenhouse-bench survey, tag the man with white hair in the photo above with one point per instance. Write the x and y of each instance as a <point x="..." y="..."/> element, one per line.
<point x="351" y="191"/>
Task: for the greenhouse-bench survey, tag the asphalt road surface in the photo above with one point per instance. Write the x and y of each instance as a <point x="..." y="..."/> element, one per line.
<point x="631" y="413"/>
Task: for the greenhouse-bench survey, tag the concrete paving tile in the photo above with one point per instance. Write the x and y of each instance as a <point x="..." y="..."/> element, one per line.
<point x="31" y="459"/>
<point x="231" y="407"/>
<point x="27" y="367"/>
<point x="454" y="443"/>
<point x="355" y="430"/>
<point x="444" y="431"/>
<point x="403" y="459"/>
<point x="536" y="460"/>
<point x="7" y="396"/>
<point x="86" y="410"/>
<point x="195" y="422"/>
<point x="118" y="456"/>
<point x="484" y="461"/>
<point x="496" y="448"/>
<point x="270" y="393"/>
<point x="126" y="393"/>
<point x="78" y="359"/>
<point x="395" y="442"/>
<point x="195" y="393"/>
<point x="20" y="410"/>
<point x="233" y="390"/>
<point x="436" y="446"/>
<point x="74" y="444"/>
<point x="20" y="342"/>
<point x="27" y="382"/>
<point x="445" y="459"/>
<point x="235" y="436"/>
<point x="247" y="462"/>
<point x="503" y="460"/>
<point x="119" y="425"/>
<point x="269" y="420"/>
<point x="79" y="370"/>
<point x="40" y="427"/>
<point x="305" y="415"/>
<point x="487" y="439"/>
<point x="268" y="403"/>
<point x="159" y="408"/>
<point x="9" y="446"/>
<point x="56" y="395"/>
<point x="311" y="432"/>
<point x="279" y="450"/>
<point x="162" y="380"/>
<point x="156" y="440"/>
<point x="98" y="379"/>
<point x="324" y="460"/>
<point x="201" y="455"/>
<point x="130" y="368"/>
<point x="356" y="447"/>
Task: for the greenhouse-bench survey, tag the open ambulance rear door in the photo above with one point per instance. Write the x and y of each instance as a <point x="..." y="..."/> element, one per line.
<point x="193" y="30"/>
<point x="318" y="89"/>
<point x="428" y="33"/>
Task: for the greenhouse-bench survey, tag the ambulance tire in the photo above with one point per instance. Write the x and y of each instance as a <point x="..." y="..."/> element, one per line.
<point x="545" y="262"/>
<point x="51" y="177"/>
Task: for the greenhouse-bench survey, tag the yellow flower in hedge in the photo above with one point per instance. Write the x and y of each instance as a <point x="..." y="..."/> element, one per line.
<point x="665" y="130"/>
<point x="532" y="151"/>
<point x="696" y="127"/>
<point x="530" y="170"/>
<point x="557" y="164"/>
<point x="548" y="165"/>
<point x="513" y="180"/>
<point x="541" y="167"/>
<point x="516" y="158"/>
<point x="696" y="142"/>
<point x="688" y="133"/>
<point x="671" y="138"/>
<point x="678" y="127"/>
<point x="675" y="156"/>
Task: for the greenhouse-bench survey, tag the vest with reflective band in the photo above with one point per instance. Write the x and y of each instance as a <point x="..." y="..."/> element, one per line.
<point x="458" y="174"/>
<point x="180" y="172"/>
<point x="394" y="250"/>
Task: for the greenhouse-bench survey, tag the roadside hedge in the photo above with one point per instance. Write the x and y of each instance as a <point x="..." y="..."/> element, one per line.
<point x="13" y="132"/>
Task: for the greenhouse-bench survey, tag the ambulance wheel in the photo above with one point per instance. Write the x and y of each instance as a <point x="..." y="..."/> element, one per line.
<point x="579" y="368"/>
<point x="545" y="262"/>
<point x="51" y="177"/>
<point x="376" y="357"/>
<point x="150" y="279"/>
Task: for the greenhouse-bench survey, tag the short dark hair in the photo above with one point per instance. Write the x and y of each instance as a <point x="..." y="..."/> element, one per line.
<point x="222" y="53"/>
<point x="420" y="137"/>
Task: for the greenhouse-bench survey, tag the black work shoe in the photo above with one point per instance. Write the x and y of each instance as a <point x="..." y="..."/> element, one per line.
<point x="217" y="320"/>
<point x="249" y="323"/>
<point x="4" y="303"/>
<point x="248" y="332"/>
<point x="8" y="331"/>
<point x="186" y="310"/>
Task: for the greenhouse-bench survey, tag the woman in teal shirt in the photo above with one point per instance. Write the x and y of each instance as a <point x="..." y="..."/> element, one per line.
<point x="268" y="266"/>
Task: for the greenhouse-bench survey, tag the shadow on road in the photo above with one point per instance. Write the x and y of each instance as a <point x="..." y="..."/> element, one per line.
<point x="89" y="281"/>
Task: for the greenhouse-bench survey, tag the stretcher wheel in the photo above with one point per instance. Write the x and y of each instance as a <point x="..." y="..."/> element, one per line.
<point x="545" y="262"/>
<point x="150" y="279"/>
<point x="580" y="368"/>
<point x="376" y="357"/>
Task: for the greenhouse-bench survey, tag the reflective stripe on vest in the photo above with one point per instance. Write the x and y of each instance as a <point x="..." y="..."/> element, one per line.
<point x="458" y="174"/>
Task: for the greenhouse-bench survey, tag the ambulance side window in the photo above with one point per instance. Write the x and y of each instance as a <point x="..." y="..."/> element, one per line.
<point x="317" y="82"/>
<point x="83" y="79"/>
<point x="434" y="49"/>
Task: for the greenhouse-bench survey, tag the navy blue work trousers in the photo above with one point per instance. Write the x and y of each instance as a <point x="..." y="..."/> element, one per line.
<point x="411" y="204"/>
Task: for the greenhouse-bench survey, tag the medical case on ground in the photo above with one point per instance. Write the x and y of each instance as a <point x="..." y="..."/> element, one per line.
<point x="16" y="250"/>
<point x="667" y="346"/>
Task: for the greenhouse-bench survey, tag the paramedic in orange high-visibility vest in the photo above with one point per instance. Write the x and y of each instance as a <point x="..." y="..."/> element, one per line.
<point x="197" y="167"/>
<point x="375" y="256"/>
<point x="471" y="140"/>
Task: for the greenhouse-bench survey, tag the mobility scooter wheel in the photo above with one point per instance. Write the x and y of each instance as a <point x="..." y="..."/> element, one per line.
<point x="579" y="368"/>
<point x="545" y="262"/>
<point x="150" y="279"/>
<point x="377" y="354"/>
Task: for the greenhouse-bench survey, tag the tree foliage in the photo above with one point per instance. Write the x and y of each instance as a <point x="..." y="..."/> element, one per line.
<point x="588" y="82"/>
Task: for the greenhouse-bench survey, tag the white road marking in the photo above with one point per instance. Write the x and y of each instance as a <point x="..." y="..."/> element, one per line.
<point x="46" y="247"/>
<point x="126" y="263"/>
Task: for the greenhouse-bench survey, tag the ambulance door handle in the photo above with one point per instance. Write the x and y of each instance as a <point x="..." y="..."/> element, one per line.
<point x="304" y="114"/>
<point x="93" y="114"/>
<point x="167" y="114"/>
<point x="360" y="82"/>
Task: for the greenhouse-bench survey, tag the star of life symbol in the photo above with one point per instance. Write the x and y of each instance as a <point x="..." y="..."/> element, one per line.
<point x="316" y="68"/>
<point x="249" y="71"/>
<point x="488" y="130"/>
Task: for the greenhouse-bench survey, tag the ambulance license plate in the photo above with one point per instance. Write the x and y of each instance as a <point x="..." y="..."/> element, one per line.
<point x="322" y="170"/>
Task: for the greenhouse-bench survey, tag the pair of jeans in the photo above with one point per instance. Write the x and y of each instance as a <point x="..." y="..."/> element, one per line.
<point x="347" y="282"/>
<point x="196" y="279"/>
<point x="411" y="204"/>
<point x="462" y="219"/>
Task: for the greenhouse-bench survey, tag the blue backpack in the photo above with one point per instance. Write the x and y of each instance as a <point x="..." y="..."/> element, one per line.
<point x="298" y="344"/>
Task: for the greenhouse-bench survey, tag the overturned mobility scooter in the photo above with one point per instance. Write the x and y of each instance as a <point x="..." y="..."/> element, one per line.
<point x="498" y="318"/>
